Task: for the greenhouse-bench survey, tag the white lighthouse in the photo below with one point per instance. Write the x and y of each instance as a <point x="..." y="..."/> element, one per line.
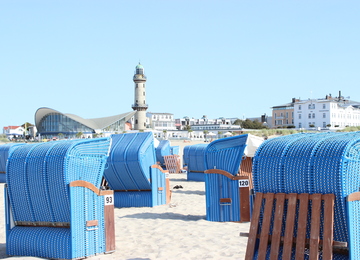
<point x="140" y="105"/>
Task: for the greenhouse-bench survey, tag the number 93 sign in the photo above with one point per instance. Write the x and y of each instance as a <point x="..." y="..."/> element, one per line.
<point x="108" y="200"/>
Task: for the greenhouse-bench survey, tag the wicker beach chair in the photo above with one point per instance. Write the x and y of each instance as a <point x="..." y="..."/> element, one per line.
<point x="227" y="193"/>
<point x="132" y="171"/>
<point x="5" y="150"/>
<point x="194" y="157"/>
<point x="315" y="163"/>
<point x="54" y="205"/>
<point x="163" y="149"/>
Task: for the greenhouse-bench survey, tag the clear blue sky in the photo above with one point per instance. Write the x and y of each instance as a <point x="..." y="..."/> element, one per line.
<point x="215" y="58"/>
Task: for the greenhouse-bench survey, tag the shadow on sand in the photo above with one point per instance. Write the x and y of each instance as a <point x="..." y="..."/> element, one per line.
<point x="196" y="192"/>
<point x="168" y="215"/>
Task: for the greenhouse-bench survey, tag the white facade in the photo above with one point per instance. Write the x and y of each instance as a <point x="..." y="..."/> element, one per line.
<point x="181" y="123"/>
<point x="338" y="113"/>
<point x="161" y="121"/>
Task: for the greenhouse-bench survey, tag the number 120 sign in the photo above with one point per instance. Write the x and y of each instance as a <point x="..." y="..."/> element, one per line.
<point x="243" y="183"/>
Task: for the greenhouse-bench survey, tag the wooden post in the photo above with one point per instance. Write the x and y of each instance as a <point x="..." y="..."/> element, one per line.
<point x="244" y="199"/>
<point x="109" y="222"/>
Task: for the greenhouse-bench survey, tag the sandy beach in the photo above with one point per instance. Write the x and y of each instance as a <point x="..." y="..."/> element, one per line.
<point x="175" y="231"/>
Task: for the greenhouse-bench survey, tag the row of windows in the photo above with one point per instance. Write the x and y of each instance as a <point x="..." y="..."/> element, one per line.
<point x="139" y="85"/>
<point x="55" y="122"/>
<point x="162" y="117"/>
<point x="287" y="114"/>
<point x="312" y="106"/>
<point x="118" y="126"/>
<point x="136" y="122"/>
<point x="280" y="122"/>
<point x="348" y="116"/>
<point x="164" y="124"/>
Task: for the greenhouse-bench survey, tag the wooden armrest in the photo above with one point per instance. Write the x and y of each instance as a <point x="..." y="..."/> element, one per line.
<point x="158" y="167"/>
<point x="354" y="196"/>
<point x="227" y="174"/>
<point x="90" y="186"/>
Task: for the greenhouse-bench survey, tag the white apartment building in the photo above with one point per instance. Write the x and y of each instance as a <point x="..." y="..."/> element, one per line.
<point x="319" y="113"/>
<point x="160" y="121"/>
<point x="181" y="123"/>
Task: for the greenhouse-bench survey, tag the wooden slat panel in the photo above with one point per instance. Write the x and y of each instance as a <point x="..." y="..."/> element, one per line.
<point x="289" y="228"/>
<point x="315" y="226"/>
<point x="278" y="219"/>
<point x="246" y="169"/>
<point x="249" y="255"/>
<point x="328" y="225"/>
<point x="301" y="231"/>
<point x="109" y="228"/>
<point x="172" y="163"/>
<point x="244" y="199"/>
<point x="264" y="237"/>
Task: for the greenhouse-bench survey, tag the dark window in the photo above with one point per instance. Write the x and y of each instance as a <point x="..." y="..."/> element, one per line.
<point x="137" y="85"/>
<point x="136" y="121"/>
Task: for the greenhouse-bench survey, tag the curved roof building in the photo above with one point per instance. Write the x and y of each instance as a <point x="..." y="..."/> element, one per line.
<point x="50" y="122"/>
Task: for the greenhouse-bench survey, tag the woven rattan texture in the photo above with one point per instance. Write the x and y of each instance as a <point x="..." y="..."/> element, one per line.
<point x="311" y="163"/>
<point x="38" y="178"/>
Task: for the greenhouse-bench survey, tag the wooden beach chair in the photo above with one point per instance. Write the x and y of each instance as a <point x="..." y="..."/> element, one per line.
<point x="291" y="211"/>
<point x="172" y="163"/>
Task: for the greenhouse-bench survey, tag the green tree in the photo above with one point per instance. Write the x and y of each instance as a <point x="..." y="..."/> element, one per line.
<point x="248" y="124"/>
<point x="205" y="133"/>
<point x="189" y="132"/>
<point x="95" y="135"/>
<point x="233" y="133"/>
<point x="219" y="134"/>
<point x="61" y="135"/>
<point x="187" y="127"/>
<point x="79" y="134"/>
<point x="237" y="122"/>
<point x="124" y="132"/>
<point x="328" y="125"/>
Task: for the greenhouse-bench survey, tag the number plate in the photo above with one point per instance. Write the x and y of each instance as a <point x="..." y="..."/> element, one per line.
<point x="109" y="200"/>
<point x="243" y="183"/>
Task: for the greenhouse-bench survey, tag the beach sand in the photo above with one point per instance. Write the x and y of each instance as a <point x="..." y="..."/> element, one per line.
<point x="175" y="231"/>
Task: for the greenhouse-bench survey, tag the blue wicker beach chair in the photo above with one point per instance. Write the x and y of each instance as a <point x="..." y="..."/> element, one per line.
<point x="5" y="150"/>
<point x="196" y="165"/>
<point x="175" y="150"/>
<point x="163" y="149"/>
<point x="133" y="174"/>
<point x="227" y="193"/>
<point x="54" y="205"/>
<point x="321" y="163"/>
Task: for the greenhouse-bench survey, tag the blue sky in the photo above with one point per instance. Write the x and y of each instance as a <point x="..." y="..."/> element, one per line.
<point x="215" y="58"/>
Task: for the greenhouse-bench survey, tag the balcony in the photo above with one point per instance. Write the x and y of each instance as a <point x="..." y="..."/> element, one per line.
<point x="135" y="106"/>
<point x="141" y="77"/>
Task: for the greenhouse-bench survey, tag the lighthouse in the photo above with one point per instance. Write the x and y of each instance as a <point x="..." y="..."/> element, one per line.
<point x="140" y="105"/>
